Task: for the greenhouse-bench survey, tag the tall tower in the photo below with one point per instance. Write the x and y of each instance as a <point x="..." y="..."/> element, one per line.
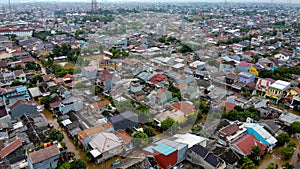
<point x="94" y="6"/>
<point x="9" y="6"/>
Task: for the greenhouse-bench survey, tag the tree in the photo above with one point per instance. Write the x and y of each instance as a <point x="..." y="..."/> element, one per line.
<point x="282" y="138"/>
<point x="46" y="100"/>
<point x="65" y="165"/>
<point x="271" y="166"/>
<point x="78" y="164"/>
<point x="256" y="150"/>
<point x="247" y="163"/>
<point x="185" y="48"/>
<point x="79" y="85"/>
<point x="55" y="135"/>
<point x="175" y="91"/>
<point x="288" y="166"/>
<point x="286" y="152"/>
<point x="150" y="131"/>
<point x="295" y="127"/>
<point x="16" y="83"/>
<point x="166" y="124"/>
<point x="140" y="139"/>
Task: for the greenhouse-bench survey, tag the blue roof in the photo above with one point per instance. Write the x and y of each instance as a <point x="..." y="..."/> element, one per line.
<point x="164" y="149"/>
<point x="21" y="89"/>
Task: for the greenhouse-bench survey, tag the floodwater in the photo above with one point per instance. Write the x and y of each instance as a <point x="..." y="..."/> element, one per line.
<point x="72" y="148"/>
<point x="275" y="156"/>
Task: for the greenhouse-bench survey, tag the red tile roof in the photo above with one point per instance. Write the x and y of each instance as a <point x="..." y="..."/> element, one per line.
<point x="185" y="107"/>
<point x="49" y="77"/>
<point x="246" y="142"/>
<point x="10" y="148"/>
<point x="182" y="86"/>
<point x="55" y="104"/>
<point x="94" y="130"/>
<point x="228" y="106"/>
<point x="245" y="64"/>
<point x="157" y="78"/>
<point x="68" y="76"/>
<point x="124" y="136"/>
<point x="229" y="130"/>
<point x="100" y="104"/>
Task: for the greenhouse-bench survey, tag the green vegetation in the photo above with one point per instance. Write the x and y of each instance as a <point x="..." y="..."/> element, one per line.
<point x="283" y="138"/>
<point x="295" y="127"/>
<point x="78" y="33"/>
<point x="241" y="114"/>
<point x="56" y="69"/>
<point x="281" y="73"/>
<point x="185" y="48"/>
<point x="140" y="139"/>
<point x="65" y="50"/>
<point x="175" y="91"/>
<point x="42" y="35"/>
<point x="117" y="53"/>
<point x="256" y="150"/>
<point x="55" y="135"/>
<point x="246" y="163"/>
<point x="32" y="66"/>
<point x="271" y="166"/>
<point x="76" y="164"/>
<point x="287" y="151"/>
<point x="46" y="100"/>
<point x="79" y="85"/>
<point x="166" y="124"/>
<point x="288" y="166"/>
<point x="150" y="131"/>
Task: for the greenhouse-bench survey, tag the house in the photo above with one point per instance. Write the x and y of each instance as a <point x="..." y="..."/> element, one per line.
<point x="105" y="146"/>
<point x="230" y="78"/>
<point x="20" y="76"/>
<point x="186" y="107"/>
<point x="13" y="152"/>
<point x="290" y="94"/>
<point x="162" y="96"/>
<point x="276" y="90"/>
<point x="22" y="107"/>
<point x="45" y="158"/>
<point x="127" y="139"/>
<point x="89" y="72"/>
<point x="124" y="120"/>
<point x="48" y="77"/>
<point x="99" y="106"/>
<point x="230" y="132"/>
<point x="164" y="155"/>
<point x="244" y="145"/>
<point x="261" y="134"/>
<point x="262" y="85"/>
<point x="174" y="114"/>
<point x="156" y="79"/>
<point x="85" y="136"/>
<point x="199" y="155"/>
<point x="282" y="57"/>
<point x="288" y="119"/>
<point x="190" y="139"/>
<point x="246" y="77"/>
<point x="71" y="103"/>
<point x="227" y="106"/>
<point x="35" y="92"/>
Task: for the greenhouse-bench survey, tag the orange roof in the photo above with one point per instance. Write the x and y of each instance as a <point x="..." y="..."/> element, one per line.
<point x="124" y="136"/>
<point x="228" y="106"/>
<point x="100" y="104"/>
<point x="185" y="107"/>
<point x="10" y="148"/>
<point x="182" y="86"/>
<point x="68" y="76"/>
<point x="94" y="130"/>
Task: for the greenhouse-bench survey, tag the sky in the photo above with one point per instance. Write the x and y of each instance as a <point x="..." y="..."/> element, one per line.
<point x="23" y="1"/>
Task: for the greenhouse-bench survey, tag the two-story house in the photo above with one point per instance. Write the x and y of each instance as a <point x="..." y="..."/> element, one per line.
<point x="276" y="90"/>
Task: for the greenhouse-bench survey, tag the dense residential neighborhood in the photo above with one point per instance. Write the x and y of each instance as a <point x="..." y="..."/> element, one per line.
<point x="149" y="85"/>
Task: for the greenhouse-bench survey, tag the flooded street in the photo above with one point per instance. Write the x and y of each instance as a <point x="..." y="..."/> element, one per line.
<point x="72" y="148"/>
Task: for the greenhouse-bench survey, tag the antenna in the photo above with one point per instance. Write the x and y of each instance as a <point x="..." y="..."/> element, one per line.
<point x="9" y="6"/>
<point x="94" y="6"/>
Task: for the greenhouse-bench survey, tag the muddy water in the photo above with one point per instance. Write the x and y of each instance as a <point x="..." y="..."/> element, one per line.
<point x="275" y="157"/>
<point x="72" y="148"/>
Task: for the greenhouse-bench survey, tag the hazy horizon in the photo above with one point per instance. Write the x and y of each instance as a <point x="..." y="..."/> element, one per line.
<point x="153" y="1"/>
